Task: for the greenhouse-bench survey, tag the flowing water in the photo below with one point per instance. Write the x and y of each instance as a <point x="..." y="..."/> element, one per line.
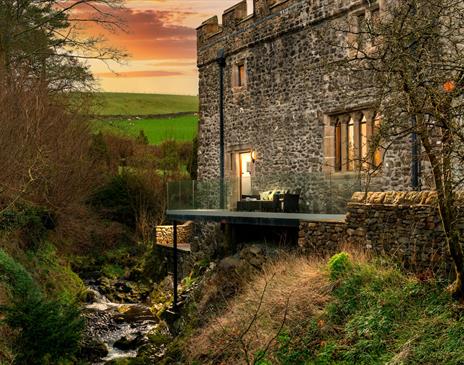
<point x="122" y="328"/>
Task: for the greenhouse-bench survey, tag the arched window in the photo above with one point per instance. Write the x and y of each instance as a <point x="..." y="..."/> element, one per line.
<point x="353" y="134"/>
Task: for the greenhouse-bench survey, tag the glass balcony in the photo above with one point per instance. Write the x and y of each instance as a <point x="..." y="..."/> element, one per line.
<point x="315" y="193"/>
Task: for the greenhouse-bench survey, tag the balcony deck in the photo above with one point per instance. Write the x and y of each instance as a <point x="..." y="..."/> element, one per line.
<point x="252" y="218"/>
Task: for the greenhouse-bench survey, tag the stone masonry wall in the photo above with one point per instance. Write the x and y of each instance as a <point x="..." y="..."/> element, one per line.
<point x="401" y="225"/>
<point x="321" y="239"/>
<point x="281" y="111"/>
<point x="164" y="234"/>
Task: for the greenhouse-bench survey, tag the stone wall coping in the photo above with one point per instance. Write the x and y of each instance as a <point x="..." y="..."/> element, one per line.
<point x="373" y="205"/>
<point x="315" y="222"/>
<point x="180" y="225"/>
<point x="233" y="7"/>
<point x="400" y="198"/>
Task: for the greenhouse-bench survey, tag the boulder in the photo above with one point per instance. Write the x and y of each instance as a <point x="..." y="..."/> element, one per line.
<point x="93" y="351"/>
<point x="130" y="342"/>
<point x="134" y="313"/>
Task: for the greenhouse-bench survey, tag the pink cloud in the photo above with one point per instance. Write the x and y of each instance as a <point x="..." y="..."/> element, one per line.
<point x="133" y="74"/>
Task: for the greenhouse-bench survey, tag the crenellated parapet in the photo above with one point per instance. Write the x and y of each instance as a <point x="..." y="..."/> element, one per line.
<point x="207" y="29"/>
<point x="235" y="16"/>
<point x="269" y="18"/>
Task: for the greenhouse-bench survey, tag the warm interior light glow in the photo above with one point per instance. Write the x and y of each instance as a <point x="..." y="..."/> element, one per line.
<point x="449" y="86"/>
<point x="378" y="153"/>
<point x="351" y="146"/>
<point x="245" y="172"/>
<point x="253" y="156"/>
<point x="241" y="75"/>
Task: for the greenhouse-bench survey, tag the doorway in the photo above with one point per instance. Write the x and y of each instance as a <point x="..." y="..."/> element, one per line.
<point x="245" y="173"/>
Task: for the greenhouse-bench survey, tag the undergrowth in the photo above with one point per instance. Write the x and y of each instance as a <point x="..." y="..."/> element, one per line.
<point x="379" y="315"/>
<point x="374" y="314"/>
<point x="47" y="331"/>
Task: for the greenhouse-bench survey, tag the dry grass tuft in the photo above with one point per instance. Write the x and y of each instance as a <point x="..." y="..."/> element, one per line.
<point x="291" y="290"/>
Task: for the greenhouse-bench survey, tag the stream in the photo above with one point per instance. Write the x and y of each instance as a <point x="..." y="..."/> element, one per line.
<point x="118" y="329"/>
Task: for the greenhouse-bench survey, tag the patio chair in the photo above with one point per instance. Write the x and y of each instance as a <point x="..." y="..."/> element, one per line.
<point x="291" y="203"/>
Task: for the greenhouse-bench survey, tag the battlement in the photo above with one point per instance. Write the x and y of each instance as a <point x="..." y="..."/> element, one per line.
<point x="236" y="15"/>
<point x="268" y="18"/>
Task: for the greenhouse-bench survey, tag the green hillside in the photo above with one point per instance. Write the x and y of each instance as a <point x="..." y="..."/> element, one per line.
<point x="181" y="128"/>
<point x="144" y="104"/>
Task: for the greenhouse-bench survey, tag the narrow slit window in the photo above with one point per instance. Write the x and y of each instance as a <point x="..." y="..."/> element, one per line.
<point x="364" y="148"/>
<point x="241" y="75"/>
<point x="351" y="146"/>
<point x="338" y="146"/>
<point x="378" y="153"/>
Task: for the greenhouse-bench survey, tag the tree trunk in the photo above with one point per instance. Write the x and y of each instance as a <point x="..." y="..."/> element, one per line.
<point x="442" y="173"/>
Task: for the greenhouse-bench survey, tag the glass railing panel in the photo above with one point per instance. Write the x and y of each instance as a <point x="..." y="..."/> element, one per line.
<point x="318" y="193"/>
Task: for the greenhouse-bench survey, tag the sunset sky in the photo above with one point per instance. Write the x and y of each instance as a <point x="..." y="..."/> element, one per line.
<point x="161" y="41"/>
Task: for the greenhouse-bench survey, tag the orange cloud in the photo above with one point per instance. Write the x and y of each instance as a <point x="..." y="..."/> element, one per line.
<point x="160" y="36"/>
<point x="150" y="34"/>
<point x="132" y="74"/>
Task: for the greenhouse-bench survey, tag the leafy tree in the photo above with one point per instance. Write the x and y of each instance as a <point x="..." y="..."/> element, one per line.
<point x="42" y="40"/>
<point x="410" y="60"/>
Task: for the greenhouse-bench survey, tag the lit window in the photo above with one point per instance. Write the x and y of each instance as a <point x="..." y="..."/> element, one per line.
<point x="241" y="74"/>
<point x="364" y="143"/>
<point x="353" y="135"/>
<point x="338" y="146"/>
<point x="351" y="146"/>
<point x="377" y="160"/>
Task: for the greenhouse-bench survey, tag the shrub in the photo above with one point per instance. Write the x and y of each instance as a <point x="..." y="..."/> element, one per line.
<point x="54" y="274"/>
<point x="48" y="332"/>
<point x="142" y="138"/>
<point x="99" y="149"/>
<point x="130" y="197"/>
<point x="45" y="156"/>
<point x="31" y="222"/>
<point x="120" y="150"/>
<point x="338" y="265"/>
<point x="192" y="165"/>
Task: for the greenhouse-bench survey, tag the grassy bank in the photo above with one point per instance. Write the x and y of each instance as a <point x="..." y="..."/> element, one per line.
<point x="144" y="104"/>
<point x="182" y="128"/>
<point x="352" y="311"/>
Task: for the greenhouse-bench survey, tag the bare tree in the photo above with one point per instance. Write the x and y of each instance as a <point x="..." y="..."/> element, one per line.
<point x="410" y="59"/>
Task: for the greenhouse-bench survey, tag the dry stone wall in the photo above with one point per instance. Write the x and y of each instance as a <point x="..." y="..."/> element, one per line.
<point x="321" y="239"/>
<point x="280" y="111"/>
<point x="404" y="226"/>
<point x="164" y="234"/>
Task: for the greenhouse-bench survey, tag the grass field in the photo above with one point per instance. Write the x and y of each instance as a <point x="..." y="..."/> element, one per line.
<point x="181" y="128"/>
<point x="144" y="104"/>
